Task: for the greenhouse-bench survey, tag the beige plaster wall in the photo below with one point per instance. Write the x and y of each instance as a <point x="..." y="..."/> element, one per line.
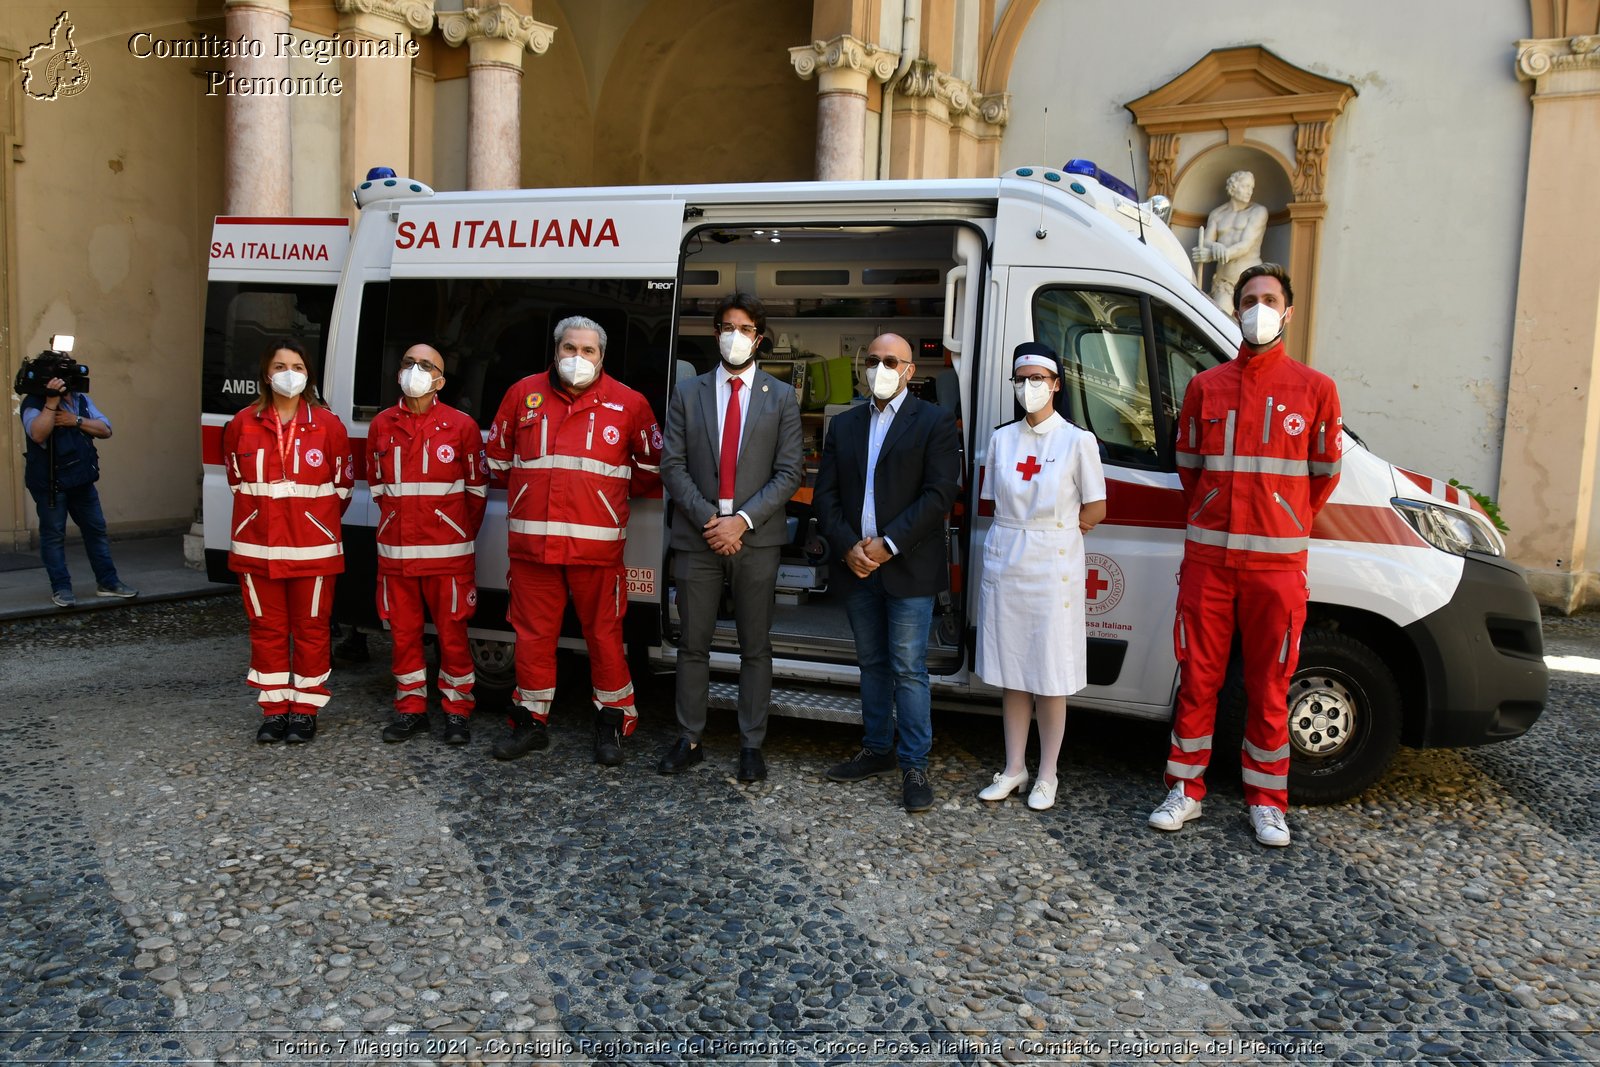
<point x="114" y="201"/>
<point x="1426" y="184"/>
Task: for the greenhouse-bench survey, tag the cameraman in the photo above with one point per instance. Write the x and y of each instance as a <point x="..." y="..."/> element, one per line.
<point x="64" y="425"/>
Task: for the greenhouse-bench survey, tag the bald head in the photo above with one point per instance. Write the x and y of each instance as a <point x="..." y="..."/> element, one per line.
<point x="890" y="344"/>
<point x="425" y="355"/>
<point x="888" y="366"/>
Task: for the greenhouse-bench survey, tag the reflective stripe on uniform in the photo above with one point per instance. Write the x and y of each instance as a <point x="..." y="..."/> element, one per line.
<point x="1244" y="464"/>
<point x="1184" y="770"/>
<point x="568" y="529"/>
<point x="1248" y="542"/>
<point x="267" y="679"/>
<point x="451" y="679"/>
<point x="316" y="700"/>
<point x="1261" y="755"/>
<point x="546" y="695"/>
<point x="464" y="548"/>
<point x="316" y="598"/>
<point x="302" y="682"/>
<point x="411" y="677"/>
<point x="286" y="490"/>
<point x="652" y="468"/>
<point x="245" y="548"/>
<point x="1191" y="744"/>
<point x="275" y="696"/>
<point x="420" y="488"/>
<point x="576" y="463"/>
<point x="1324" y="470"/>
<point x="1264" y="781"/>
<point x="605" y="696"/>
<point x="250" y="587"/>
<point x="499" y="464"/>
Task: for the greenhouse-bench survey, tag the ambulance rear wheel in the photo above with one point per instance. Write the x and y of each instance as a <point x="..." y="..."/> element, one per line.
<point x="494" y="663"/>
<point x="1344" y="718"/>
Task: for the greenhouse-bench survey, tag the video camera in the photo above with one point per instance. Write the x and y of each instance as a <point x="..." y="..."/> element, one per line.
<point x="35" y="375"/>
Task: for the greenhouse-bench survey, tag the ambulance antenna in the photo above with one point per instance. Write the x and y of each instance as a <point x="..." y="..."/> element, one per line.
<point x="1137" y="204"/>
<point x="1041" y="233"/>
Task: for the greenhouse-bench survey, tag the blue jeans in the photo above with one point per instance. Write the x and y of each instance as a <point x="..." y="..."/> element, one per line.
<point x="892" y="645"/>
<point x="83" y="505"/>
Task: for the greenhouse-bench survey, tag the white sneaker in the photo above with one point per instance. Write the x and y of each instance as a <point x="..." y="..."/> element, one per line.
<point x="1174" y="811"/>
<point x="1272" y="829"/>
<point x="1043" y="796"/>
<point x="1003" y="786"/>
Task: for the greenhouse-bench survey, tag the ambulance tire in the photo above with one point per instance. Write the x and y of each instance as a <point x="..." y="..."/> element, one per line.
<point x="1345" y="718"/>
<point x="493" y="664"/>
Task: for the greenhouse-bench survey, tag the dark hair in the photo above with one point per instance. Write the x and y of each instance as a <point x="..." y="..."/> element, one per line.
<point x="747" y="304"/>
<point x="265" y="378"/>
<point x="1264" y="270"/>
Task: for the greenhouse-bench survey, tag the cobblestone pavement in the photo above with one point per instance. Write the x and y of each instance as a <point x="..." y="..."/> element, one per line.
<point x="171" y="892"/>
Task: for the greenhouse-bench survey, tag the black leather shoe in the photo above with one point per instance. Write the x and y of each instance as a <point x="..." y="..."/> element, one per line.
<point x="752" y="765"/>
<point x="302" y="728"/>
<point x="864" y="764"/>
<point x="456" y="731"/>
<point x="608" y="737"/>
<point x="273" y="727"/>
<point x="916" y="791"/>
<point x="405" y="727"/>
<point x="527" y="737"/>
<point x="680" y="757"/>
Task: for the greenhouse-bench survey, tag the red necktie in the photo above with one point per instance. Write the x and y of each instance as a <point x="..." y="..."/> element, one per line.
<point x="728" y="460"/>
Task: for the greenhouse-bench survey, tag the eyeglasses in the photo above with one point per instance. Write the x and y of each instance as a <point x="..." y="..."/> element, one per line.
<point x="1021" y="378"/>
<point x="728" y="327"/>
<point x="407" y="364"/>
<point x="892" y="362"/>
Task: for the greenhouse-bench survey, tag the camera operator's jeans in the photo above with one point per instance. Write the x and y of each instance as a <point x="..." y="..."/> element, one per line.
<point x="83" y="505"/>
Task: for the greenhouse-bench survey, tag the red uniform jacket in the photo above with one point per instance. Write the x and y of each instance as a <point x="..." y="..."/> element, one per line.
<point x="291" y="485"/>
<point x="569" y="465"/>
<point x="1258" y="454"/>
<point x="430" y="482"/>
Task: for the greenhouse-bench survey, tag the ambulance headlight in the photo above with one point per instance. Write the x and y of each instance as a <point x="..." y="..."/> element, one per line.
<point x="1449" y="530"/>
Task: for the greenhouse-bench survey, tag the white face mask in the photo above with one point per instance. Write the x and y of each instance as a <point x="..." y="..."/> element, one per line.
<point x="416" y="381"/>
<point x="576" y="371"/>
<point x="736" y="348"/>
<point x="1261" y="324"/>
<point x="883" y="382"/>
<point x="1033" y="396"/>
<point x="290" y="383"/>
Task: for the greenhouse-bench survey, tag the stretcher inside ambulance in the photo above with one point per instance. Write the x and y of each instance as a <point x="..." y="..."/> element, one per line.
<point x="1419" y="631"/>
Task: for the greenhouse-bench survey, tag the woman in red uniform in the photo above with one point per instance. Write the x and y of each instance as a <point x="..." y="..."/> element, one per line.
<point x="290" y="470"/>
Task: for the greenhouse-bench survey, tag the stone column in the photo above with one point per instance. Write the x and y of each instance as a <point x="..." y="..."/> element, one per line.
<point x="256" y="167"/>
<point x="496" y="37"/>
<point x="1307" y="212"/>
<point x="842" y="67"/>
<point x="375" y="107"/>
<point x="1548" y="465"/>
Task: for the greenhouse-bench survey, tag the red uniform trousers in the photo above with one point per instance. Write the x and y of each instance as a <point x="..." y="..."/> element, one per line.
<point x="1269" y="608"/>
<point x="284" y="611"/>
<point x="538" y="600"/>
<point x="450" y="601"/>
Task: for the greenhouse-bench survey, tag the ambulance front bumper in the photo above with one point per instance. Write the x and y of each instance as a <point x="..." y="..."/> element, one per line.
<point x="1482" y="658"/>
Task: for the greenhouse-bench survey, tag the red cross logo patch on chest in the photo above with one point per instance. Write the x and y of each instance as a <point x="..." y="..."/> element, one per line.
<point x="1028" y="468"/>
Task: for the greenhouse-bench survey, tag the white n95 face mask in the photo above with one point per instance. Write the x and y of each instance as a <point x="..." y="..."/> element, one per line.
<point x="736" y="348"/>
<point x="1033" y="396"/>
<point x="416" y="381"/>
<point x="576" y="371"/>
<point x="883" y="382"/>
<point x="290" y="383"/>
<point x="1261" y="324"/>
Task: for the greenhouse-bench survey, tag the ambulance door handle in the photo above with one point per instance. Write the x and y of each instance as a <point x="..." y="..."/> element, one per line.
<point x="953" y="278"/>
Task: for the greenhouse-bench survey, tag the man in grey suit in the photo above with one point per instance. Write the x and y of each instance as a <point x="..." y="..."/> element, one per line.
<point x="731" y="462"/>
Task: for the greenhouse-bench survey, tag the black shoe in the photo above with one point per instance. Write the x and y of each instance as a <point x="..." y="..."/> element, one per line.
<point x="608" y="737"/>
<point x="353" y="649"/>
<point x="456" y="731"/>
<point x="302" y="728"/>
<point x="680" y="757"/>
<point x="526" y="737"/>
<point x="405" y="727"/>
<point x="863" y="765"/>
<point x="273" y="727"/>
<point x="752" y="765"/>
<point x="915" y="790"/>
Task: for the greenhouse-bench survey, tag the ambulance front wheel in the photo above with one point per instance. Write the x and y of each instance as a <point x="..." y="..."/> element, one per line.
<point x="494" y="663"/>
<point x="1344" y="718"/>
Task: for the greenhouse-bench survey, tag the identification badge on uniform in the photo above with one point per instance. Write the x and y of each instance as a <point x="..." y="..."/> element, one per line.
<point x="445" y="453"/>
<point x="1294" y="424"/>
<point x="611" y="435"/>
<point x="534" y="401"/>
<point x="314" y="457"/>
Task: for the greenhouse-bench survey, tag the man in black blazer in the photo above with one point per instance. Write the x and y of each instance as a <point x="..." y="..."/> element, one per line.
<point x="731" y="461"/>
<point x="890" y="472"/>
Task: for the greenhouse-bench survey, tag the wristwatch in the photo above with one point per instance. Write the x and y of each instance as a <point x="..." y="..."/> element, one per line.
<point x="79" y="424"/>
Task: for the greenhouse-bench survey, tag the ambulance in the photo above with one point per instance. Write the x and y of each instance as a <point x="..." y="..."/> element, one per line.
<point x="1419" y="631"/>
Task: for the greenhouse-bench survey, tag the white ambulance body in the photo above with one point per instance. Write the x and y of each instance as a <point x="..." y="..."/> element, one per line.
<point x="1417" y="631"/>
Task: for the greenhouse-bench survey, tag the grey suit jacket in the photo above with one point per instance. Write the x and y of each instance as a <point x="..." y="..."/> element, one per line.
<point x="769" y="467"/>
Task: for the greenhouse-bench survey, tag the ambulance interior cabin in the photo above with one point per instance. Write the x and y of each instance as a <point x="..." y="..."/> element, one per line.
<point x="828" y="291"/>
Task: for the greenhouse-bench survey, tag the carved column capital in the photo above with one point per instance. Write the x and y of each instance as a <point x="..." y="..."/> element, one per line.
<point x="844" y="64"/>
<point x="498" y="23"/>
<point x="1560" y="65"/>
<point x="994" y="108"/>
<point x="415" y="15"/>
<point x="1311" y="141"/>
<point x="1163" y="164"/>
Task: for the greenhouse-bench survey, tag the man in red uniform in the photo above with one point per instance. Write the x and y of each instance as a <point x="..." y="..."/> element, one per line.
<point x="572" y="444"/>
<point x="1258" y="454"/>
<point x="425" y="464"/>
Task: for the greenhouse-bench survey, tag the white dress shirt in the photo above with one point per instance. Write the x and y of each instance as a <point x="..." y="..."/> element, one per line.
<point x="746" y="377"/>
<point x="878" y="423"/>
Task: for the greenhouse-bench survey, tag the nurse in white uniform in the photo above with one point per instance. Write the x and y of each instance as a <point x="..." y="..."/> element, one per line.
<point x="1048" y="489"/>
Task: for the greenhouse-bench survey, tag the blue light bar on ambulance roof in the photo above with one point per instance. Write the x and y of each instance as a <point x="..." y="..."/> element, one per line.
<point x="384" y="184"/>
<point x="1089" y="169"/>
<point x="380" y="172"/>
